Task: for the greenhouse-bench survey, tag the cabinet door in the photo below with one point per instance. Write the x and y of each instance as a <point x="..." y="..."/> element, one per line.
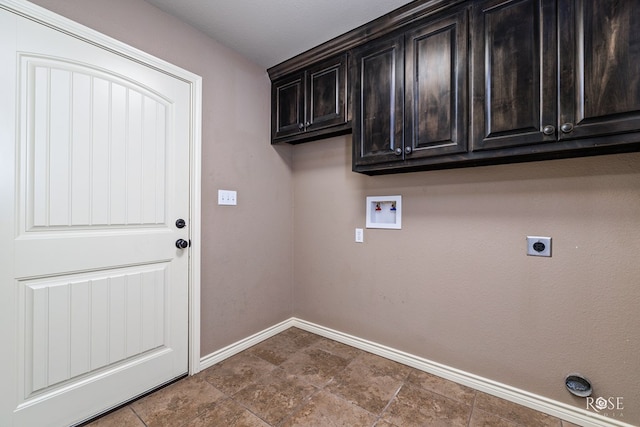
<point x="378" y="102"/>
<point x="326" y="93"/>
<point x="435" y="88"/>
<point x="600" y="67"/>
<point x="513" y="73"/>
<point x="287" y="106"/>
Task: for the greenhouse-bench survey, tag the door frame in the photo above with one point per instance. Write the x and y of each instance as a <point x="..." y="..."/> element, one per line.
<point x="52" y="20"/>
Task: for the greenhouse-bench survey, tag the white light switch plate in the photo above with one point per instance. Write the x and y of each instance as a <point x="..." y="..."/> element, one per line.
<point x="359" y="235"/>
<point x="227" y="197"/>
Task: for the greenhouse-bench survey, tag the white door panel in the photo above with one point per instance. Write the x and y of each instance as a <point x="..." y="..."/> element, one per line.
<point x="79" y="323"/>
<point x="95" y="171"/>
<point x="107" y="181"/>
<point x="58" y="252"/>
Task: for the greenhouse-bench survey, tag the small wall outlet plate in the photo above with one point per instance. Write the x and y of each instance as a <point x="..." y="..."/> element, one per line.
<point x="538" y="246"/>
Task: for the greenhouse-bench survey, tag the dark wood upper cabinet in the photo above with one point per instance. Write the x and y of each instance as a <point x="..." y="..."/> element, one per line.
<point x="599" y="68"/>
<point x="310" y="104"/>
<point x="378" y="99"/>
<point x="327" y="94"/>
<point x="287" y="108"/>
<point x="514" y="73"/>
<point x="452" y="83"/>
<point x="436" y="88"/>
<point x="549" y="72"/>
<point x="410" y="95"/>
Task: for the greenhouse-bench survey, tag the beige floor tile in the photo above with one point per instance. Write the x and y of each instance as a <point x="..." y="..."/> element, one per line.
<point x="379" y="366"/>
<point x="314" y="365"/>
<point x="227" y="413"/>
<point x="122" y="417"/>
<point x="514" y="412"/>
<point x="415" y="406"/>
<point x="334" y="347"/>
<point x="178" y="403"/>
<point x="274" y="397"/>
<point x="279" y="348"/>
<point x="369" y="381"/>
<point x="442" y="386"/>
<point x="237" y="372"/>
<point x="325" y="409"/>
<point x="481" y="418"/>
<point x="301" y="337"/>
<point x="300" y="379"/>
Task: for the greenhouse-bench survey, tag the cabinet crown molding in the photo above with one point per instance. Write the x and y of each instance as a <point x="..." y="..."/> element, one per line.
<point x="379" y="27"/>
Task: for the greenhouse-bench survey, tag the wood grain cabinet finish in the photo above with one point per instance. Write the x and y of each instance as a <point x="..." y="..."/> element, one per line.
<point x="410" y="95"/>
<point x="378" y="94"/>
<point x="599" y="58"/>
<point x="538" y="82"/>
<point x="548" y="79"/>
<point x="436" y="88"/>
<point x="451" y="83"/>
<point x="311" y="104"/>
<point x="514" y="73"/>
<point x="288" y="107"/>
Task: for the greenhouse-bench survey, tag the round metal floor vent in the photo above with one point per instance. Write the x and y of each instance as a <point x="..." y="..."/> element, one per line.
<point x="578" y="385"/>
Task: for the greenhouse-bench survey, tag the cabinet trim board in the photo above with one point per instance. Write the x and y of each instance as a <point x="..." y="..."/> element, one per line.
<point x="365" y="33"/>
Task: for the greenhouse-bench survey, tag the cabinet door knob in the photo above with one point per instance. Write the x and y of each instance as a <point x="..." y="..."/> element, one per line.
<point x="398" y="151"/>
<point x="549" y="130"/>
<point x="567" y="127"/>
<point x="407" y="150"/>
<point x="300" y="126"/>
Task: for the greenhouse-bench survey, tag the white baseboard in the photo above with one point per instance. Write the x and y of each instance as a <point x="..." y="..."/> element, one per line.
<point x="237" y="347"/>
<point x="554" y="408"/>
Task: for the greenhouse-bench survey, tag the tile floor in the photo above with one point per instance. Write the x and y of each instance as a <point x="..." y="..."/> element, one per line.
<point x="297" y="378"/>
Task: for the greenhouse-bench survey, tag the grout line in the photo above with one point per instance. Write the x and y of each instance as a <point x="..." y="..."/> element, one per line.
<point x="137" y="415"/>
<point x="390" y="402"/>
<point x="473" y="407"/>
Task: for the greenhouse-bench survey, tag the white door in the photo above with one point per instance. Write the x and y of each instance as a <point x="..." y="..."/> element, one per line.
<point x="94" y="172"/>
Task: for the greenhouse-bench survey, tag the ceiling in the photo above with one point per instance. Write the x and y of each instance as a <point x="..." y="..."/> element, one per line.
<point x="271" y="31"/>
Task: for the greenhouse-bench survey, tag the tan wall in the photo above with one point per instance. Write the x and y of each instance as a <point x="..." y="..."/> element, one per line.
<point x="455" y="285"/>
<point x="246" y="250"/>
